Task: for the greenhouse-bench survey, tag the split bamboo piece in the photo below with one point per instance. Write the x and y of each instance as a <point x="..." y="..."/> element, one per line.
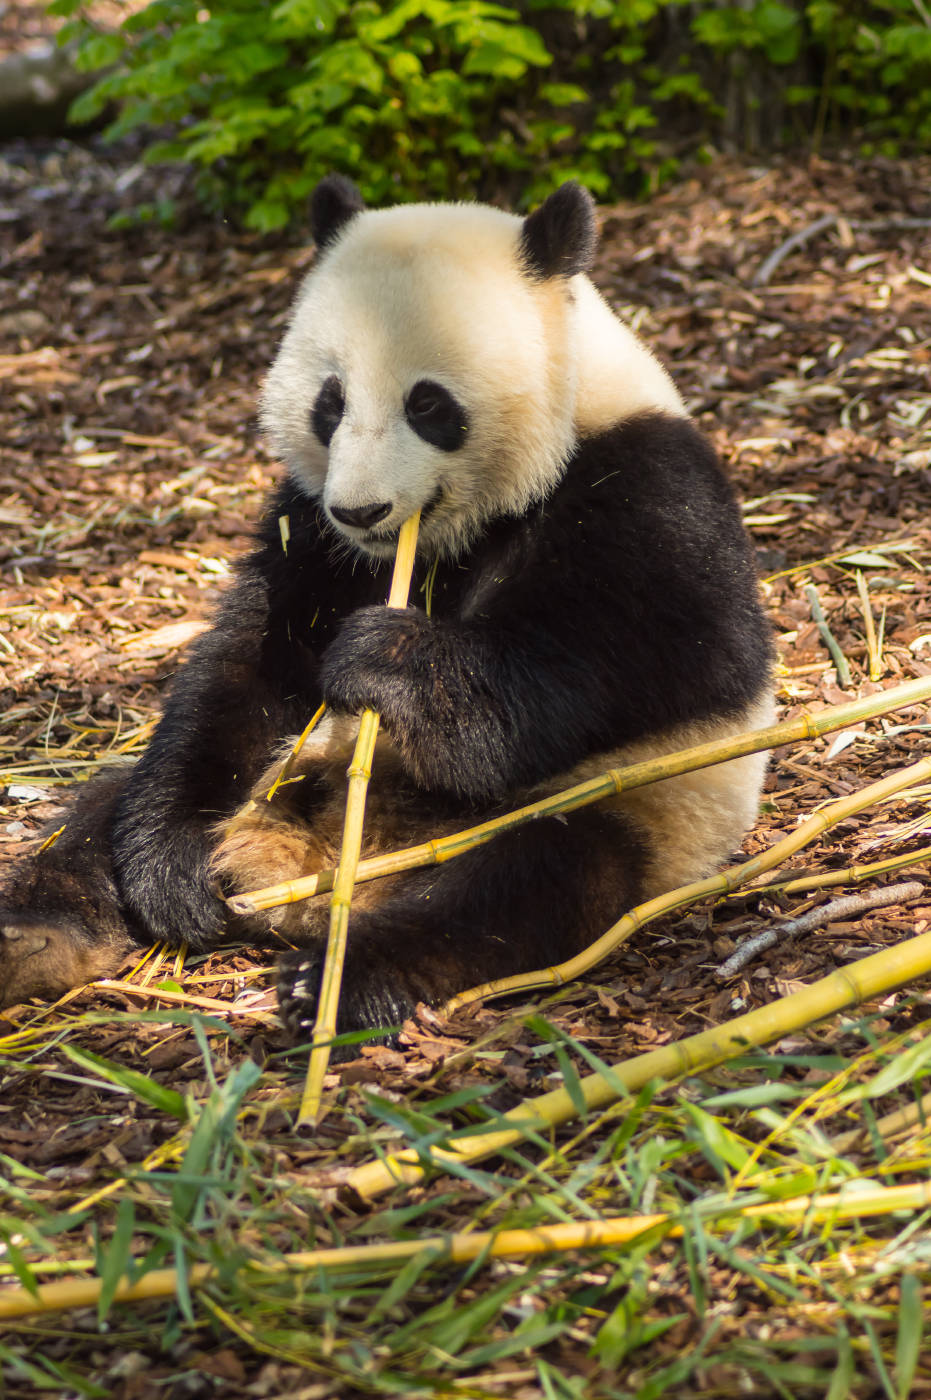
<point x="359" y="772"/>
<point x="723" y="883"/>
<point x="615" y="780"/>
<point x="464" y="1247"/>
<point x="872" y="976"/>
<point x="284" y="772"/>
<point x="874" y="644"/>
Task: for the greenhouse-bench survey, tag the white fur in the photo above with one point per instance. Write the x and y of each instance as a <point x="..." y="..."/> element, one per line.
<point x="435" y="291"/>
<point x="692" y="823"/>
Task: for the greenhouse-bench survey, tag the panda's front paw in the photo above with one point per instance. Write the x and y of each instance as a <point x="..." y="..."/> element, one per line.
<point x="368" y="999"/>
<point x="373" y="659"/>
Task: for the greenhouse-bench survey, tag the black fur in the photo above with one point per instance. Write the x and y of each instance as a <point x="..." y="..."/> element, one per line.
<point x="333" y="203"/>
<point x="624" y="604"/>
<point x="436" y="416"/>
<point x="552" y="888"/>
<point x="327" y="412"/>
<point x="61" y="917"/>
<point x="559" y="238"/>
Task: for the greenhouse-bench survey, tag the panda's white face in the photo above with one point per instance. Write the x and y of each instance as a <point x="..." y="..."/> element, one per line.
<point x="422" y="370"/>
<point x="445" y="357"/>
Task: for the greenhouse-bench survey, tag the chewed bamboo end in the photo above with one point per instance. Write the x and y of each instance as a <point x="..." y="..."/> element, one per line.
<point x="242" y="906"/>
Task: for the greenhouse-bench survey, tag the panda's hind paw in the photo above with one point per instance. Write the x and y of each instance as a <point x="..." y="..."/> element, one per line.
<point x="298" y="991"/>
<point x="367" y="1000"/>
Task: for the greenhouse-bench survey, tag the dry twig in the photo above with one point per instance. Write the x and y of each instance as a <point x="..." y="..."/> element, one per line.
<point x="795" y="240"/>
<point x="847" y="907"/>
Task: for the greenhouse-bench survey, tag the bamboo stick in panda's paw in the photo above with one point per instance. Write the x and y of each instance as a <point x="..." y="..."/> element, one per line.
<point x="359" y="773"/>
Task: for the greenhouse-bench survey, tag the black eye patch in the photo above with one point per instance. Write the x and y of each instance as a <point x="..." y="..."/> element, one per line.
<point x="436" y="416"/>
<point x="327" y="412"/>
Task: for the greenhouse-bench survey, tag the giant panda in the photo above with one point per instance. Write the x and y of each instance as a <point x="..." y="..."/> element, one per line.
<point x="584" y="596"/>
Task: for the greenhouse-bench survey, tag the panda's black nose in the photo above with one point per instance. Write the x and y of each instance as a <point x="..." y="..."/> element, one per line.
<point x="363" y="517"/>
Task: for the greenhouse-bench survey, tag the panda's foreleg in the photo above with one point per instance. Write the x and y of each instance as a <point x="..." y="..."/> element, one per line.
<point x="527" y="899"/>
<point x="242" y="686"/>
<point x="475" y="710"/>
<point x="61" y="918"/>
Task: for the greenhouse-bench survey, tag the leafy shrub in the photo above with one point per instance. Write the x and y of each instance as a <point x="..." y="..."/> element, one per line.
<point x="453" y="98"/>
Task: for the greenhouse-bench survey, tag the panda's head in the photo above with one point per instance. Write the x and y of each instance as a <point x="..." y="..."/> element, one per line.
<point x="430" y="362"/>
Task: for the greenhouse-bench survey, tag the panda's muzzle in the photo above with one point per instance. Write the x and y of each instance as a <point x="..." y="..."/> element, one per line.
<point x="362" y="517"/>
<point x="383" y="537"/>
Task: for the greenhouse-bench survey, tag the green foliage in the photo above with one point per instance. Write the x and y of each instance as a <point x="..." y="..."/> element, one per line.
<point x="842" y="1298"/>
<point x="457" y="98"/>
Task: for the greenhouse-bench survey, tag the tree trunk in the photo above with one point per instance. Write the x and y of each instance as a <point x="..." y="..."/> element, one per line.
<point x="36" y="89"/>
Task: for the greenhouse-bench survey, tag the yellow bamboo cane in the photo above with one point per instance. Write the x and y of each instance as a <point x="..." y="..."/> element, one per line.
<point x="724" y="882"/>
<point x="869" y="977"/>
<point x="359" y="772"/>
<point x="615" y="780"/>
<point x="855" y="1203"/>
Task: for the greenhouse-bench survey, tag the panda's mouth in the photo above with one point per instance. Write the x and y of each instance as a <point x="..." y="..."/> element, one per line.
<point x="390" y="537"/>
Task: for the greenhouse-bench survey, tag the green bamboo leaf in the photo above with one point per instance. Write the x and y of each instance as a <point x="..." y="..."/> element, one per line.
<point x="18" y="1263"/>
<point x="908" y="1343"/>
<point x="756" y="1095"/>
<point x="402" y="1283"/>
<point x="117" y="1257"/>
<point x="134" y="1082"/>
<point x="718" y="1143"/>
<point x="843" y="1377"/>
<point x="182" y="1283"/>
<point x="902" y="1070"/>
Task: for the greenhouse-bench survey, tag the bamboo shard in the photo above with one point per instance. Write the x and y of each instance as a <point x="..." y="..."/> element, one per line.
<point x="359" y="772"/>
<point x="616" y="780"/>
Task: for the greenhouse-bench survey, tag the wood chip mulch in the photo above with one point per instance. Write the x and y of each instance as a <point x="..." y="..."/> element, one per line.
<point x="132" y="466"/>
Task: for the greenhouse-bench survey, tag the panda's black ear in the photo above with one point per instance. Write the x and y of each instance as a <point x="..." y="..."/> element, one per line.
<point x="559" y="238"/>
<point x="333" y="203"/>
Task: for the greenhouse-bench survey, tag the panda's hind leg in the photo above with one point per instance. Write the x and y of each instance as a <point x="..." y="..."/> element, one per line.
<point x="61" y="918"/>
<point x="292" y="828"/>
<point x="529" y="898"/>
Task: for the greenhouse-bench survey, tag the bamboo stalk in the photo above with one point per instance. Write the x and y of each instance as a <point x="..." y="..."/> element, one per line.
<point x="850" y="875"/>
<point x="724" y="882"/>
<point x="359" y="772"/>
<point x="614" y="781"/>
<point x="859" y="981"/>
<point x="466" y="1246"/>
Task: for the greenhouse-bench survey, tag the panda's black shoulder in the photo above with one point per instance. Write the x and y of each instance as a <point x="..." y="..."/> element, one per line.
<point x="658" y="477"/>
<point x="647" y="454"/>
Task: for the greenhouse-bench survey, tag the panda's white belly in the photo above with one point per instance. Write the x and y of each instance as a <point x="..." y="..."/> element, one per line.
<point x="692" y="823"/>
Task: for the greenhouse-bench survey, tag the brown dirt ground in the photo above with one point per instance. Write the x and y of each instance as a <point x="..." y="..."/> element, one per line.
<point x="131" y="468"/>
